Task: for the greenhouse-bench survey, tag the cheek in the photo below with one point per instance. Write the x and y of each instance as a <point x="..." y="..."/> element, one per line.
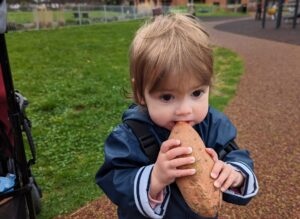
<point x="155" y="112"/>
<point x="202" y="111"/>
<point x="160" y="116"/>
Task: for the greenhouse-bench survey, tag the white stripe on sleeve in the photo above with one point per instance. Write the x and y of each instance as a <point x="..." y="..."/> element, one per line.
<point x="141" y="189"/>
<point x="250" y="187"/>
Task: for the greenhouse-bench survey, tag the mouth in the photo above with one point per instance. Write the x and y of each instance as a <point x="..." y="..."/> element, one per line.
<point x="190" y="122"/>
<point x="186" y="121"/>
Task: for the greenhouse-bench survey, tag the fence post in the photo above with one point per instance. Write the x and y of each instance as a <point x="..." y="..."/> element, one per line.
<point x="104" y="8"/>
<point x="134" y="11"/>
<point x="37" y="20"/>
<point x="79" y="13"/>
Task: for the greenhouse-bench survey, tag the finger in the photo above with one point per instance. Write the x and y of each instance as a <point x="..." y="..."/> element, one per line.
<point x="222" y="177"/>
<point x="239" y="179"/>
<point x="178" y="151"/>
<point x="168" y="144"/>
<point x="178" y="162"/>
<point x="217" y="169"/>
<point x="212" y="154"/>
<point x="184" y="172"/>
<point x="228" y="183"/>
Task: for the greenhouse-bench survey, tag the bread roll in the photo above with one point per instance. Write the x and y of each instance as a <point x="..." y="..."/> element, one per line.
<point x="198" y="190"/>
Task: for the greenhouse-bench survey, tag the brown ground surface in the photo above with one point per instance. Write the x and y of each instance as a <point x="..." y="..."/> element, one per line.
<point x="266" y="112"/>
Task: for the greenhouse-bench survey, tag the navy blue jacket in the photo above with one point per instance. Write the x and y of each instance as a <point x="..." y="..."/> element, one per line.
<point x="125" y="174"/>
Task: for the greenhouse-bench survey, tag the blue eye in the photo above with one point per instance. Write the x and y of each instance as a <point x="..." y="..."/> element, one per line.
<point x="166" y="97"/>
<point x="197" y="93"/>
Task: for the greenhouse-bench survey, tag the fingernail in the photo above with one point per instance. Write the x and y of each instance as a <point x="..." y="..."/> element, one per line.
<point x="193" y="159"/>
<point x="193" y="171"/>
<point x="216" y="184"/>
<point x="190" y="150"/>
<point x="213" y="175"/>
<point x="223" y="189"/>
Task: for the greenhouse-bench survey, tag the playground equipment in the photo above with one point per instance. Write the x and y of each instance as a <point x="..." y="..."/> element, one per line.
<point x="294" y="5"/>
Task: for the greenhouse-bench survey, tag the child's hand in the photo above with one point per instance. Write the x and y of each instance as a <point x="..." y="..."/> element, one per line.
<point x="224" y="174"/>
<point x="165" y="168"/>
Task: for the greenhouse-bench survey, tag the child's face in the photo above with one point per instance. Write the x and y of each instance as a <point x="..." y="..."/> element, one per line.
<point x="171" y="103"/>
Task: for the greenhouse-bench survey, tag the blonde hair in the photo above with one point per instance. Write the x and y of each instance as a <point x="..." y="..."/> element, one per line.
<point x="173" y="43"/>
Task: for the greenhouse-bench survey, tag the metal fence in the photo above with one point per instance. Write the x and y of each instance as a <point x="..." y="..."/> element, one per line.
<point x="52" y="16"/>
<point x="41" y="16"/>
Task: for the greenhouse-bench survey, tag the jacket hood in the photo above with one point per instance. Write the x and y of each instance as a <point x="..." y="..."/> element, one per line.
<point x="136" y="112"/>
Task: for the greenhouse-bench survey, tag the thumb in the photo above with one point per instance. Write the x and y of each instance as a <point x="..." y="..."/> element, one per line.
<point x="212" y="154"/>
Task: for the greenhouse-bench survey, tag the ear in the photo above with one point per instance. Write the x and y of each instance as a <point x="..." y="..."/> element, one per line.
<point x="142" y="101"/>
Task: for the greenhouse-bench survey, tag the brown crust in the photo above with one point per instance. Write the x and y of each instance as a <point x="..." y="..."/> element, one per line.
<point x="198" y="190"/>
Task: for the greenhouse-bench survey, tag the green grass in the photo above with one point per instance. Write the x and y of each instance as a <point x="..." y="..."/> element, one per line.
<point x="20" y="17"/>
<point x="204" y="10"/>
<point x="74" y="79"/>
<point x="227" y="71"/>
<point x="24" y="17"/>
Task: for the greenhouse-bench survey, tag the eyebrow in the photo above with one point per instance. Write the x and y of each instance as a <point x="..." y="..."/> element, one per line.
<point x="200" y="86"/>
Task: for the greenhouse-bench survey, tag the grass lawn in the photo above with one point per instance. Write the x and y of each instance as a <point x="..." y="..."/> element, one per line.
<point x="24" y="17"/>
<point x="74" y="79"/>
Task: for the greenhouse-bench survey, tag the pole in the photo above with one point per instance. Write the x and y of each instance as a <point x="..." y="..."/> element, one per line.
<point x="264" y="14"/>
<point x="279" y="14"/>
<point x="295" y="14"/>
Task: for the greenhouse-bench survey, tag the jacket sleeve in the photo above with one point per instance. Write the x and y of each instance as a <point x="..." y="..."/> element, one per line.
<point x="218" y="132"/>
<point x="241" y="161"/>
<point x="125" y="175"/>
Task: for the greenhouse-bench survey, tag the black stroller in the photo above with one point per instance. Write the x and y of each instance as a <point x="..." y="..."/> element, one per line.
<point x="20" y="196"/>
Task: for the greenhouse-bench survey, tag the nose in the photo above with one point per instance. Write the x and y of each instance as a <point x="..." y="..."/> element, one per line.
<point x="183" y="108"/>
